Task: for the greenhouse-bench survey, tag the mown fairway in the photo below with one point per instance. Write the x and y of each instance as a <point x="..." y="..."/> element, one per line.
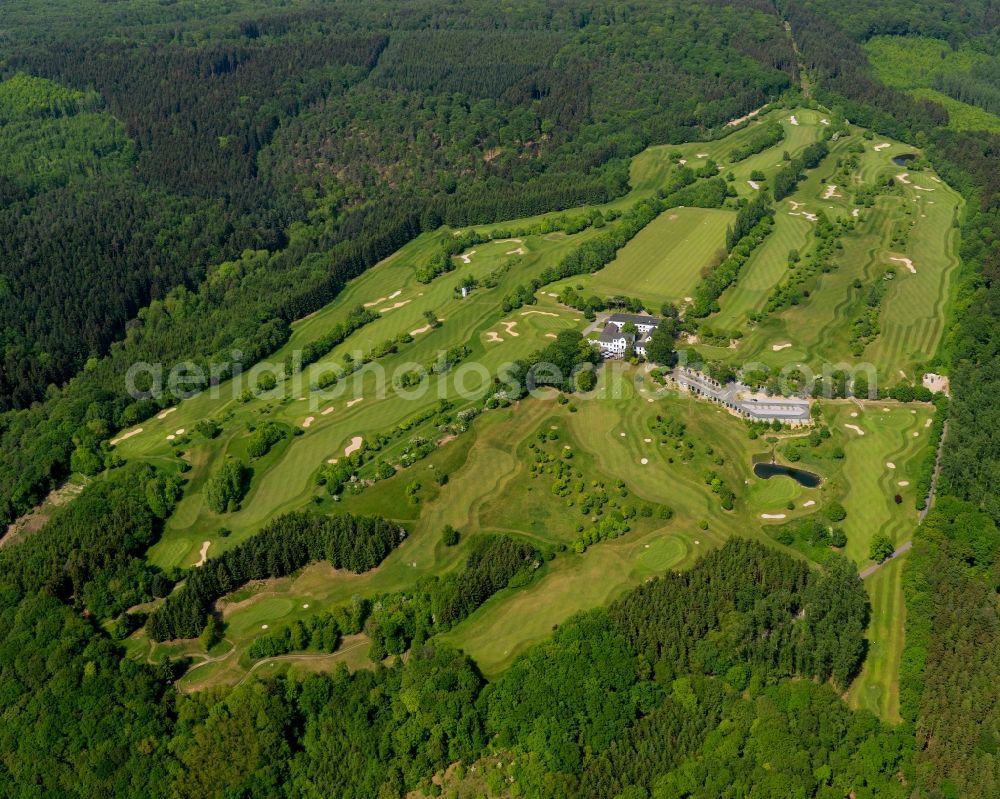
<point x="665" y="261"/>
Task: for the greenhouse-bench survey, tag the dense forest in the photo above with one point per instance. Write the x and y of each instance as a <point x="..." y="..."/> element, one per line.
<point x="183" y="180"/>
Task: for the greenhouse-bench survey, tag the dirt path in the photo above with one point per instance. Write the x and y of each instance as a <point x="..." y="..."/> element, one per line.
<point x="932" y="493"/>
<point x="902" y="549"/>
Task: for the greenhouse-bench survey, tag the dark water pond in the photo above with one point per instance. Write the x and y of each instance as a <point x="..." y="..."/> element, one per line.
<point x="801" y="476"/>
<point x="903" y="159"/>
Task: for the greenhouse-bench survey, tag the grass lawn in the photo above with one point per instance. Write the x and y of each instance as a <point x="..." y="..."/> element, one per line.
<point x="876" y="688"/>
<point x="665" y="261"/>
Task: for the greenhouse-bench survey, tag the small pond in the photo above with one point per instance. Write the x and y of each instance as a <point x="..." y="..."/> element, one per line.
<point x="801" y="476"/>
<point x="903" y="159"/>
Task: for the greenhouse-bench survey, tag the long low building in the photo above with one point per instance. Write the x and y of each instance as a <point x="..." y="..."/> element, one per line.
<point x="743" y="401"/>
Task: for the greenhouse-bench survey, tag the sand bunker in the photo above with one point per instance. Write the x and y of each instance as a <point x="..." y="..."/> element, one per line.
<point x="308" y="421"/>
<point x="331" y="460"/>
<point x="904" y="483"/>
<point x="644" y="461"/>
<point x="353" y="402"/>
<point x="772" y="516"/>
<point x="916" y="434"/>
<point x="509" y="327"/>
<point x="923" y="188"/>
<point x="809" y="504"/>
<point x="928" y="423"/>
<point x="855" y="428"/>
<point x="795" y="206"/>
<point x="879" y="147"/>
<point x="420" y="330"/>
<point x="890" y="465"/>
<point x="682" y="161"/>
<point x="492" y="337"/>
<point x="792" y="120"/>
<point x="393" y="307"/>
<point x="902" y="177"/>
<point x="702" y="155"/>
<point x="171" y="437"/>
<point x="824" y="122"/>
<point x="753" y="184"/>
<point x="856" y="213"/>
<point x="540" y="313"/>
<point x="166" y="413"/>
<point x="354" y="446"/>
<point x="124" y="436"/>
<point x="518" y="251"/>
<point x="179" y="431"/>
<point x="648" y="440"/>
<point x="327" y="411"/>
<point x="935" y="179"/>
<point x="831" y="192"/>
<point x="203" y="555"/>
<point x="511" y="241"/>
<point x="905" y="262"/>
<point x="854" y="414"/>
<point x="622" y="435"/>
<point x="780" y="347"/>
<point x="551" y="335"/>
<point x="467" y="257"/>
<point x="380" y="300"/>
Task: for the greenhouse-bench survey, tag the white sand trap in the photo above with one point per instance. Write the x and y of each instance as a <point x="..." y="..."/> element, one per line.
<point x="809" y="216"/>
<point x="795" y="206"/>
<point x="511" y="241"/>
<point x="792" y="120"/>
<point x="166" y="413"/>
<point x="308" y="421"/>
<point x="467" y="257"/>
<point x="353" y="402"/>
<point x="780" y="347"/>
<point x="327" y="411"/>
<point x="203" y="555"/>
<point x="855" y="428"/>
<point x="354" y="446"/>
<point x="395" y="294"/>
<point x="492" y="337"/>
<point x="879" y="147"/>
<point x="890" y="465"/>
<point x="650" y="399"/>
<point x="916" y="434"/>
<point x="906" y="262"/>
<point x="644" y="461"/>
<point x="509" y="327"/>
<point x="682" y="161"/>
<point x="420" y="330"/>
<point x="831" y="192"/>
<point x="171" y="437"/>
<point x="305" y="606"/>
<point x="902" y="374"/>
<point x="551" y="335"/>
<point x="179" y="431"/>
<point x="885" y="410"/>
<point x="903" y="483"/>
<point x="702" y="155"/>
<point x="552" y="294"/>
<point x="928" y="423"/>
<point x="622" y="435"/>
<point x="753" y="184"/>
<point x="125" y="436"/>
<point x="772" y="516"/>
<point x="394" y="306"/>
<point x="903" y="177"/>
<point x="540" y="313"/>
<point x="380" y="300"/>
<point x="923" y="188"/>
<point x="935" y="179"/>
<point x="263" y="626"/>
<point x="856" y="213"/>
<point x="518" y="251"/>
<point x="809" y="504"/>
<point x="648" y="440"/>
<point x="824" y="122"/>
<point x="332" y="460"/>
